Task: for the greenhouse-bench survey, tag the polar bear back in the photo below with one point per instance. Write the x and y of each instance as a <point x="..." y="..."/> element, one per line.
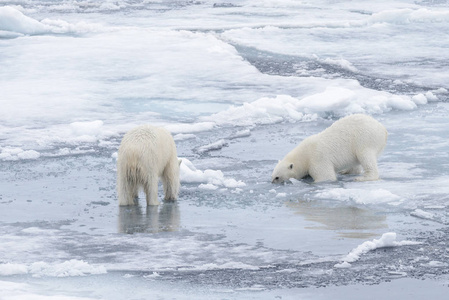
<point x="143" y="144"/>
<point x="349" y="137"/>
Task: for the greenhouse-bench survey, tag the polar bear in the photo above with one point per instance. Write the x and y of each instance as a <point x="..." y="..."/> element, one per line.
<point x="147" y="153"/>
<point x="346" y="146"/>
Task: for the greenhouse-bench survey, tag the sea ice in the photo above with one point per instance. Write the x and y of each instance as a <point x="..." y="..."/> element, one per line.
<point x="387" y="240"/>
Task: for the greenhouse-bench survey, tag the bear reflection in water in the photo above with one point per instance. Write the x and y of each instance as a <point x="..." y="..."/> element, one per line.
<point x="152" y="219"/>
<point x="346" y="221"/>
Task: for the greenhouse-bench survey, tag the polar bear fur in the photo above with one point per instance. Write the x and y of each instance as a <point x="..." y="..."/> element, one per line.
<point x="146" y="154"/>
<point x="347" y="146"/>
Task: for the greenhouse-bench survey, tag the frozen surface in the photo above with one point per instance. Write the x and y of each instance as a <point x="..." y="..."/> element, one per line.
<point x="239" y="84"/>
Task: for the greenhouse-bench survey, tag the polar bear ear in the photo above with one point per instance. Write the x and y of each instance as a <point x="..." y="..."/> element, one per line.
<point x="179" y="162"/>
<point x="291" y="166"/>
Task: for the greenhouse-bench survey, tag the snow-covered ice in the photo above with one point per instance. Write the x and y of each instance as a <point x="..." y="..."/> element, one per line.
<point x="239" y="84"/>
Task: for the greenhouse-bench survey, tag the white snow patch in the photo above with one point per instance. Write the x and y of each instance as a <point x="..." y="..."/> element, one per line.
<point x="14" y="23"/>
<point x="152" y="275"/>
<point x="15" y="153"/>
<point x="342" y="63"/>
<point x="340" y="101"/>
<point x="86" y="132"/>
<point x="241" y="134"/>
<point x="23" y="291"/>
<point x="435" y="264"/>
<point x="184" y="136"/>
<point x="419" y="213"/>
<point x="387" y="240"/>
<point x="208" y="187"/>
<point x="408" y="15"/>
<point x="361" y="196"/>
<point x="190" y="174"/>
<point x="13" y="20"/>
<point x="9" y="269"/>
<point x="190" y="127"/>
<point x="431" y="97"/>
<point x="68" y="268"/>
<point x="42" y="269"/>
<point x="420" y="99"/>
<point x="212" y="146"/>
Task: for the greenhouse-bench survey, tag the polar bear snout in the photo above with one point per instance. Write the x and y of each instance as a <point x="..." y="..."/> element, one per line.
<point x="276" y="180"/>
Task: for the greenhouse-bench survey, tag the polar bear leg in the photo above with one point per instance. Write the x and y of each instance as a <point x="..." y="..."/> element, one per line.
<point x="324" y="172"/>
<point x="169" y="190"/>
<point x="150" y="188"/>
<point x="127" y="191"/>
<point x="170" y="180"/>
<point x="368" y="160"/>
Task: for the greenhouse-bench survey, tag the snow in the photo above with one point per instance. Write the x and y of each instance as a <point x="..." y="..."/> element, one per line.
<point x="65" y="269"/>
<point x="208" y="178"/>
<point x="13" y="20"/>
<point x="387" y="240"/>
<point x="361" y="196"/>
<point x="336" y="100"/>
<point x="406" y="16"/>
<point x="419" y="213"/>
<point x="14" y="153"/>
<point x="13" y="291"/>
<point x="212" y="146"/>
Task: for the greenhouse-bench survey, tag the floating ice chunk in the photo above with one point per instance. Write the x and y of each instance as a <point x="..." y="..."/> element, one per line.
<point x="68" y="268"/>
<point x="152" y="275"/>
<point x="343" y="265"/>
<point x="342" y="63"/>
<point x="387" y="240"/>
<point x="9" y="269"/>
<point x="241" y="134"/>
<point x="15" y="153"/>
<point x="407" y="15"/>
<point x="435" y="264"/>
<point x="419" y="213"/>
<point x="92" y="128"/>
<point x="30" y="154"/>
<point x="339" y="101"/>
<point x="281" y="195"/>
<point x="431" y="97"/>
<point x="208" y="187"/>
<point x="361" y="196"/>
<point x="65" y="269"/>
<point x="261" y="111"/>
<point x="190" y="128"/>
<point x="15" y="21"/>
<point x="213" y="146"/>
<point x="441" y="91"/>
<point x="420" y="99"/>
<point x="184" y="136"/>
<point x="237" y="191"/>
<point x="85" y="132"/>
<point x="190" y="174"/>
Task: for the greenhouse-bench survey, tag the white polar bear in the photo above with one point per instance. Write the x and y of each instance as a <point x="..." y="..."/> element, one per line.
<point x="347" y="145"/>
<point x="147" y="153"/>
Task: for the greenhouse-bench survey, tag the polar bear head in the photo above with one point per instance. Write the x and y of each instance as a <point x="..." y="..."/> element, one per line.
<point x="283" y="171"/>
